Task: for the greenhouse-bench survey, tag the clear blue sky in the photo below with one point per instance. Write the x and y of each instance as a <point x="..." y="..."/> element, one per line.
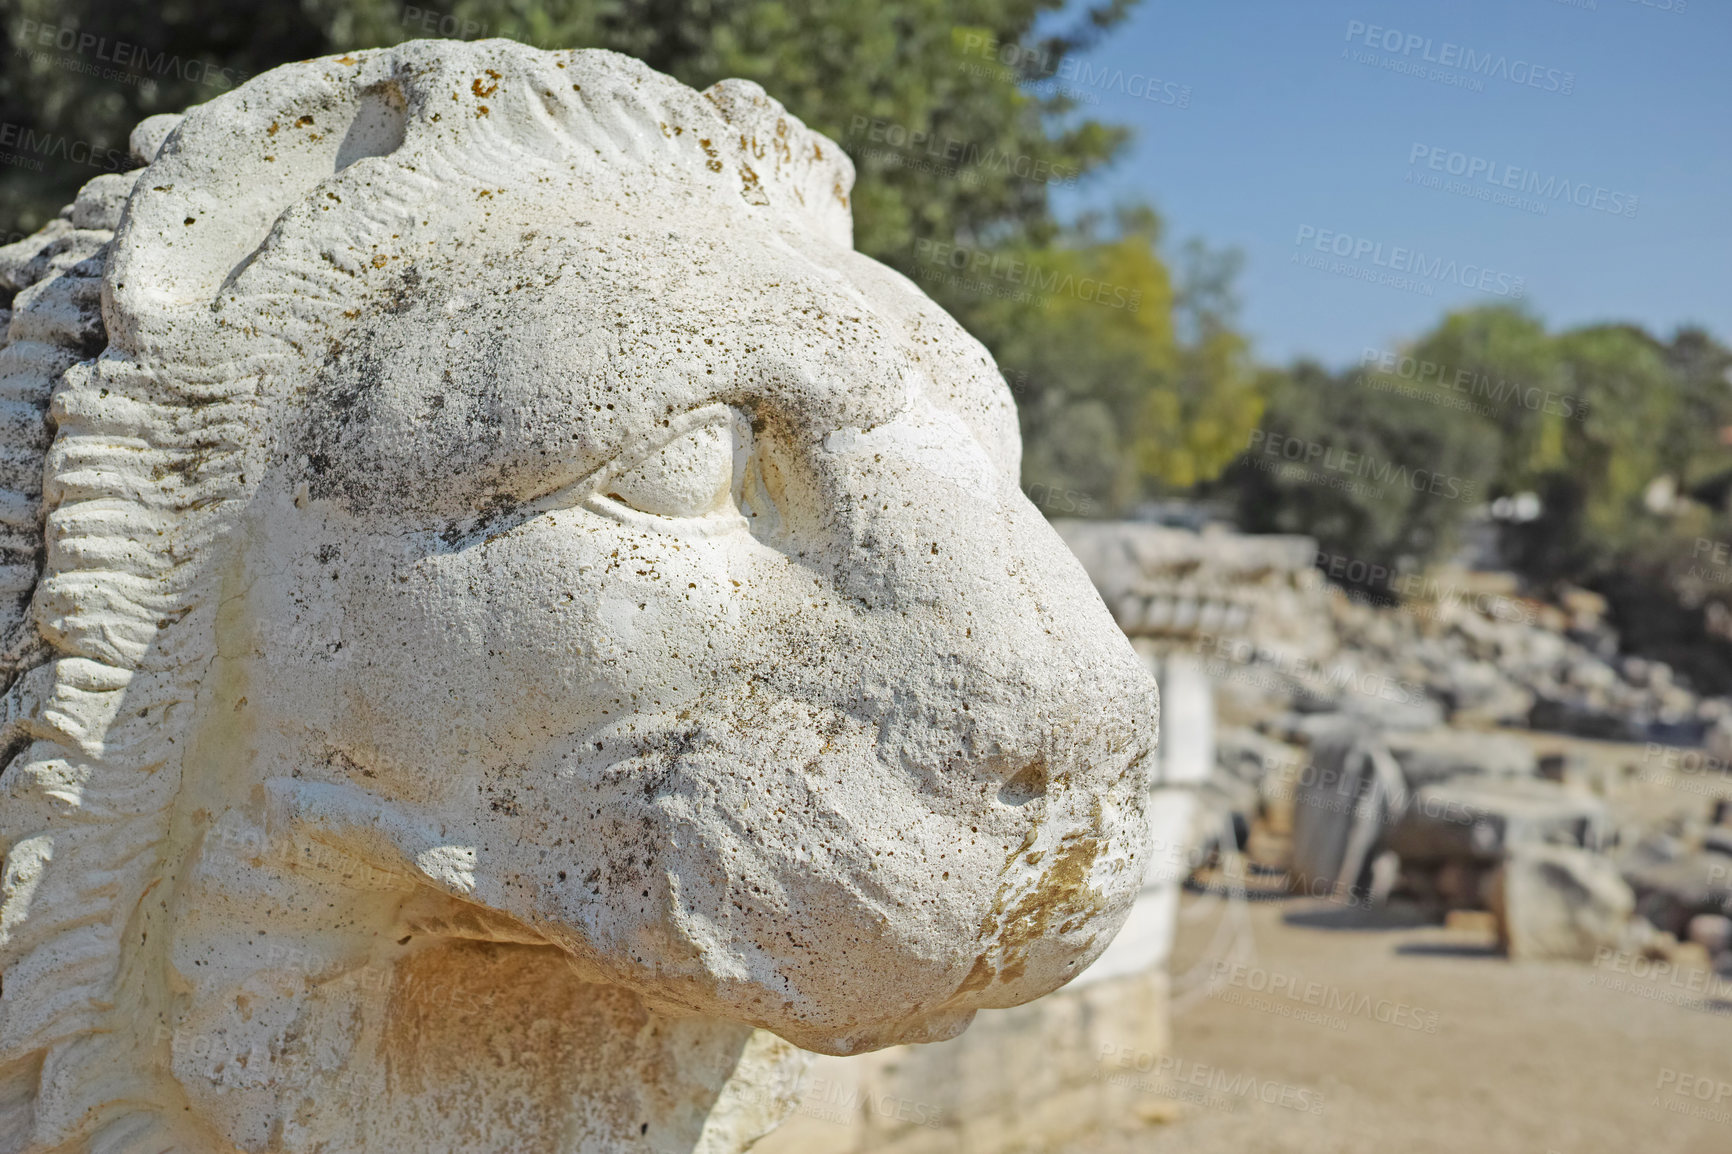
<point x="1282" y="132"/>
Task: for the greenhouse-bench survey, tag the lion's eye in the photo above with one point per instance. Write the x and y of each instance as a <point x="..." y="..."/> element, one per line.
<point x="691" y="476"/>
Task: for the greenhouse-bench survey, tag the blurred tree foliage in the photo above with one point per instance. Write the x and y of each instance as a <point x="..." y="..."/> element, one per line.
<point x="1619" y="434"/>
<point x="1128" y="383"/>
<point x="1376" y="476"/>
<point x="941" y="103"/>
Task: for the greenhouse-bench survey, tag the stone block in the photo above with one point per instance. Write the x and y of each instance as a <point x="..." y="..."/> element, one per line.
<point x="1558" y="903"/>
<point x="1347" y="798"/>
<point x="1482" y="818"/>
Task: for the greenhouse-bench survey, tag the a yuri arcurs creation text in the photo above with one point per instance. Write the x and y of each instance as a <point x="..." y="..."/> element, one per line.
<point x="509" y="618"/>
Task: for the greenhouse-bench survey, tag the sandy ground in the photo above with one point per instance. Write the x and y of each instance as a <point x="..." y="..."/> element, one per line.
<point x="1474" y="1055"/>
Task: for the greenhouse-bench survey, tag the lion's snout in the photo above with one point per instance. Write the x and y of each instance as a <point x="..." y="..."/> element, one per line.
<point x="922" y="797"/>
<point x="1005" y="705"/>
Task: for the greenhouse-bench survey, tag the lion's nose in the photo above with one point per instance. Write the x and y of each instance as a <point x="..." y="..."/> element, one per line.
<point x="973" y="613"/>
<point x="972" y="616"/>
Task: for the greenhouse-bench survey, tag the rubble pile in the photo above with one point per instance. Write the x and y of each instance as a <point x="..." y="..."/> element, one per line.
<point x="1566" y="857"/>
<point x="1175" y="587"/>
<point x="1445" y="743"/>
<point x="1488" y="657"/>
<point x="1455" y="646"/>
<point x="1485" y="660"/>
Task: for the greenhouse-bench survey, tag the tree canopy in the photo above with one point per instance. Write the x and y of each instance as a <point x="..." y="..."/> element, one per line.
<point x="1128" y="382"/>
<point x="1124" y="353"/>
<point x="1616" y="432"/>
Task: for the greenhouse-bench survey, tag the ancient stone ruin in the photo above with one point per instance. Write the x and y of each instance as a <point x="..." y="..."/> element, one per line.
<point x="510" y="623"/>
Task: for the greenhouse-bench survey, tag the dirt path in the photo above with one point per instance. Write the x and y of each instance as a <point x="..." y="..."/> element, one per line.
<point x="1420" y="1040"/>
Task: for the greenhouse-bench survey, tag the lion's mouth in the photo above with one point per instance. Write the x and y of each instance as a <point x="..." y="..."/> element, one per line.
<point x="772" y="865"/>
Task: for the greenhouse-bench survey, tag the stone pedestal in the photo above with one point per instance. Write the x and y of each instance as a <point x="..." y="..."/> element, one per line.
<point x="1038" y="1073"/>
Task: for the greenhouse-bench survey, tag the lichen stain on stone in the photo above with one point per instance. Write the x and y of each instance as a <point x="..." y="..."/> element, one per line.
<point x="751" y="189"/>
<point x="979" y="977"/>
<point x="714" y="164"/>
<point x="1062" y="890"/>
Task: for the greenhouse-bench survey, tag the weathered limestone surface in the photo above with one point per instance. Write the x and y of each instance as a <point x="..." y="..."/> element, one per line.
<point x="510" y="622"/>
<point x="1033" y="1077"/>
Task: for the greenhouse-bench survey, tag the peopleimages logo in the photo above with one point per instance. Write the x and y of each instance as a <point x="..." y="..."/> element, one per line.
<point x="1035" y="282"/>
<point x="1330" y="998"/>
<point x="1403" y="263"/>
<point x="26" y="148"/>
<point x="1418" y="587"/>
<point x="1409" y="50"/>
<point x="1693" y="1095"/>
<point x="1365" y="466"/>
<point x="1501" y="392"/>
<point x="1172" y="1073"/>
<point x="134" y="59"/>
<point x="436" y="23"/>
<point x="1719" y="569"/>
<point x="953" y="155"/>
<point x="1498" y="177"/>
<point x="1041" y="68"/>
<point x="1239" y="660"/>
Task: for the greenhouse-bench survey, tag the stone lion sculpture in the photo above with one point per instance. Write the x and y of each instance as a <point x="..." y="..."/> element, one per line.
<point x="511" y="618"/>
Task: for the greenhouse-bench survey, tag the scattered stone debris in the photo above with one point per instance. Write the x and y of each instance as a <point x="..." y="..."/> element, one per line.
<point x="1494" y="658"/>
<point x="1456" y="646"/>
<point x="1395" y="744"/>
<point x="1670" y="894"/>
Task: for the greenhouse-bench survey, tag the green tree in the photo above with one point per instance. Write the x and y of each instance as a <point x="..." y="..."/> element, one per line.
<point x="1583" y="418"/>
<point x="1498" y="364"/>
<point x="1084" y="330"/>
<point x="927" y="68"/>
<point x="1194" y="426"/>
<point x="938" y="101"/>
<point x="1623" y="436"/>
<point x="1697" y="445"/>
<point x="1374" y="475"/>
<point x="161" y="57"/>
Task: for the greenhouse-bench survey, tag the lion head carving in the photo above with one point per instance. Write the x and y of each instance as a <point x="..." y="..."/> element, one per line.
<point x="496" y="555"/>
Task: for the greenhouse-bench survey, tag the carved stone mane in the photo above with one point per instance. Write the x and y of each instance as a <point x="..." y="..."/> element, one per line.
<point x="462" y="585"/>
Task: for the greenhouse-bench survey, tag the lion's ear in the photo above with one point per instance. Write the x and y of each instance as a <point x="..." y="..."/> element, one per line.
<point x="50" y="322"/>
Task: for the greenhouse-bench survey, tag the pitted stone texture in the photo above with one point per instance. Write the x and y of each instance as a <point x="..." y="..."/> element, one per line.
<point x="523" y="605"/>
